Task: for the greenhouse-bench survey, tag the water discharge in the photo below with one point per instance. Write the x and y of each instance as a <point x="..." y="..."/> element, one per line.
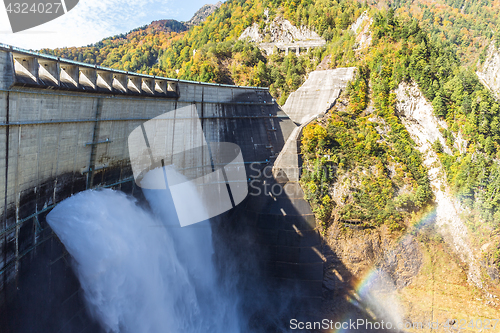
<point x="139" y="270"/>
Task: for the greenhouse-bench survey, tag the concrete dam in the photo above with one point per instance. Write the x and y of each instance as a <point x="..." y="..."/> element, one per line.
<point x="64" y="127"/>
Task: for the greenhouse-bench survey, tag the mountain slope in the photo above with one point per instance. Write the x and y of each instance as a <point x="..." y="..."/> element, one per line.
<point x="137" y="50"/>
<point x="469" y="25"/>
<point x="211" y="51"/>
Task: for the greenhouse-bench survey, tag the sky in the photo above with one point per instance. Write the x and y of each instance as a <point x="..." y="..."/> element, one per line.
<point x="93" y="20"/>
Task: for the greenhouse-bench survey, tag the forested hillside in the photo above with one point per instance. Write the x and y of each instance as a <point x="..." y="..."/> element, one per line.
<point x="211" y="52"/>
<point x="135" y="51"/>
<point x="468" y="25"/>
<point x="403" y="51"/>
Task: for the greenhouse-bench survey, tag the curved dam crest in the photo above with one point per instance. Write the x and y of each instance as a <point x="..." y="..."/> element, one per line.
<point x="64" y="129"/>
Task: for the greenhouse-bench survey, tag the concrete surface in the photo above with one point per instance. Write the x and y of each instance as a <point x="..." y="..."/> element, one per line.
<point x="313" y="99"/>
<point x="317" y="94"/>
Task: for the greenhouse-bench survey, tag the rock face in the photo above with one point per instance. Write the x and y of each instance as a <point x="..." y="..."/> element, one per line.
<point x="279" y="31"/>
<point x="489" y="73"/>
<point x="202" y="13"/>
<point x="413" y="106"/>
<point x="418" y="112"/>
<point x="417" y="275"/>
<point x="361" y="250"/>
<point x="372" y="266"/>
<point x="418" y="117"/>
<point x="282" y="34"/>
<point x="361" y="29"/>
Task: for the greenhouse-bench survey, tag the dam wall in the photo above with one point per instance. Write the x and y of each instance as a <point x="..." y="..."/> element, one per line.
<point x="64" y="128"/>
<point x="289" y="213"/>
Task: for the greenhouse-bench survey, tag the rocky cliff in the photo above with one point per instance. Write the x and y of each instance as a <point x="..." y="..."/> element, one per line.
<point x="202" y="13"/>
<point x="361" y="28"/>
<point x="281" y="33"/>
<point x="417" y="115"/>
<point x="489" y="71"/>
<point x="278" y="31"/>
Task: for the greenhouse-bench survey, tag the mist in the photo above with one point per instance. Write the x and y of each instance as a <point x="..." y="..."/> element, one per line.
<point x="139" y="270"/>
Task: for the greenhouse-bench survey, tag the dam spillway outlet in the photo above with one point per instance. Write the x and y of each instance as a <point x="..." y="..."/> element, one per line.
<point x="139" y="270"/>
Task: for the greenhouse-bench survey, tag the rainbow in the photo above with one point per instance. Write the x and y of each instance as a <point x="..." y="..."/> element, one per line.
<point x="361" y="286"/>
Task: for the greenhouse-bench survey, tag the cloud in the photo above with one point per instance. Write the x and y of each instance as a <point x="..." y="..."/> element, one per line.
<point x="88" y="22"/>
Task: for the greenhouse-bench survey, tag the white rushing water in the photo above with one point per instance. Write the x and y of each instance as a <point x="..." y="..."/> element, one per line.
<point x="140" y="271"/>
